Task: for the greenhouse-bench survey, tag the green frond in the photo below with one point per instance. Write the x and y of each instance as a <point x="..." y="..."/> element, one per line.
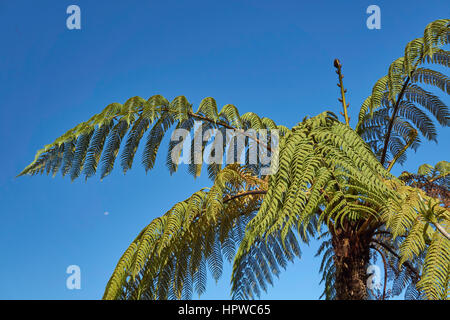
<point x="79" y="156"/>
<point x="170" y="257"/>
<point x="378" y="92"/>
<point x="436" y="34"/>
<point x="430" y="102"/>
<point x="100" y="138"/>
<point x="132" y="143"/>
<point x="432" y="77"/>
<point x="112" y="147"/>
<point x="95" y="149"/>
<point x="231" y="114"/>
<point x="397" y="94"/>
<point x="413" y="217"/>
<point x="436" y="271"/>
<point x="441" y="57"/>
<point x="208" y="107"/>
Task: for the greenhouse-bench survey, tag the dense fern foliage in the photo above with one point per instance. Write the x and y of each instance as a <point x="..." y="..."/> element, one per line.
<point x="327" y="175"/>
<point x="330" y="182"/>
<point x="435" y="181"/>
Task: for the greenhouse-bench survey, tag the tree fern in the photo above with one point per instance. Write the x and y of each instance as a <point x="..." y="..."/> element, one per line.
<point x="329" y="182"/>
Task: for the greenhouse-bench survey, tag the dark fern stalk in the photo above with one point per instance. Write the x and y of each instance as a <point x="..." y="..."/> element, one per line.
<point x="391" y="121"/>
<point x="345" y="105"/>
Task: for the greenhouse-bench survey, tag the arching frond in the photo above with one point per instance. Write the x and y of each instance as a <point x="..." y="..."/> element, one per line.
<point x="397" y="95"/>
<point x="99" y="139"/>
<point x="168" y="259"/>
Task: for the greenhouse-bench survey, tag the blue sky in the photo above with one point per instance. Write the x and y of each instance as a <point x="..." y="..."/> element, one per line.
<point x="271" y="57"/>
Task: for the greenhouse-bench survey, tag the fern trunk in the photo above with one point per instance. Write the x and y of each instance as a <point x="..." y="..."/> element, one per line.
<point x="351" y="259"/>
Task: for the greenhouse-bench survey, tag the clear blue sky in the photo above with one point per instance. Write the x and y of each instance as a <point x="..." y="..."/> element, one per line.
<point x="271" y="57"/>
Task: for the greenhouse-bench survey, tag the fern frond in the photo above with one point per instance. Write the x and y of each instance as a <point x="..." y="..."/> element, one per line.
<point x="100" y="138"/>
<point x="398" y="89"/>
<point x="175" y="250"/>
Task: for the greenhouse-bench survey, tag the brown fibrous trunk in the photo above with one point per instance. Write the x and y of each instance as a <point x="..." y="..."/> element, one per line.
<point x="351" y="259"/>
